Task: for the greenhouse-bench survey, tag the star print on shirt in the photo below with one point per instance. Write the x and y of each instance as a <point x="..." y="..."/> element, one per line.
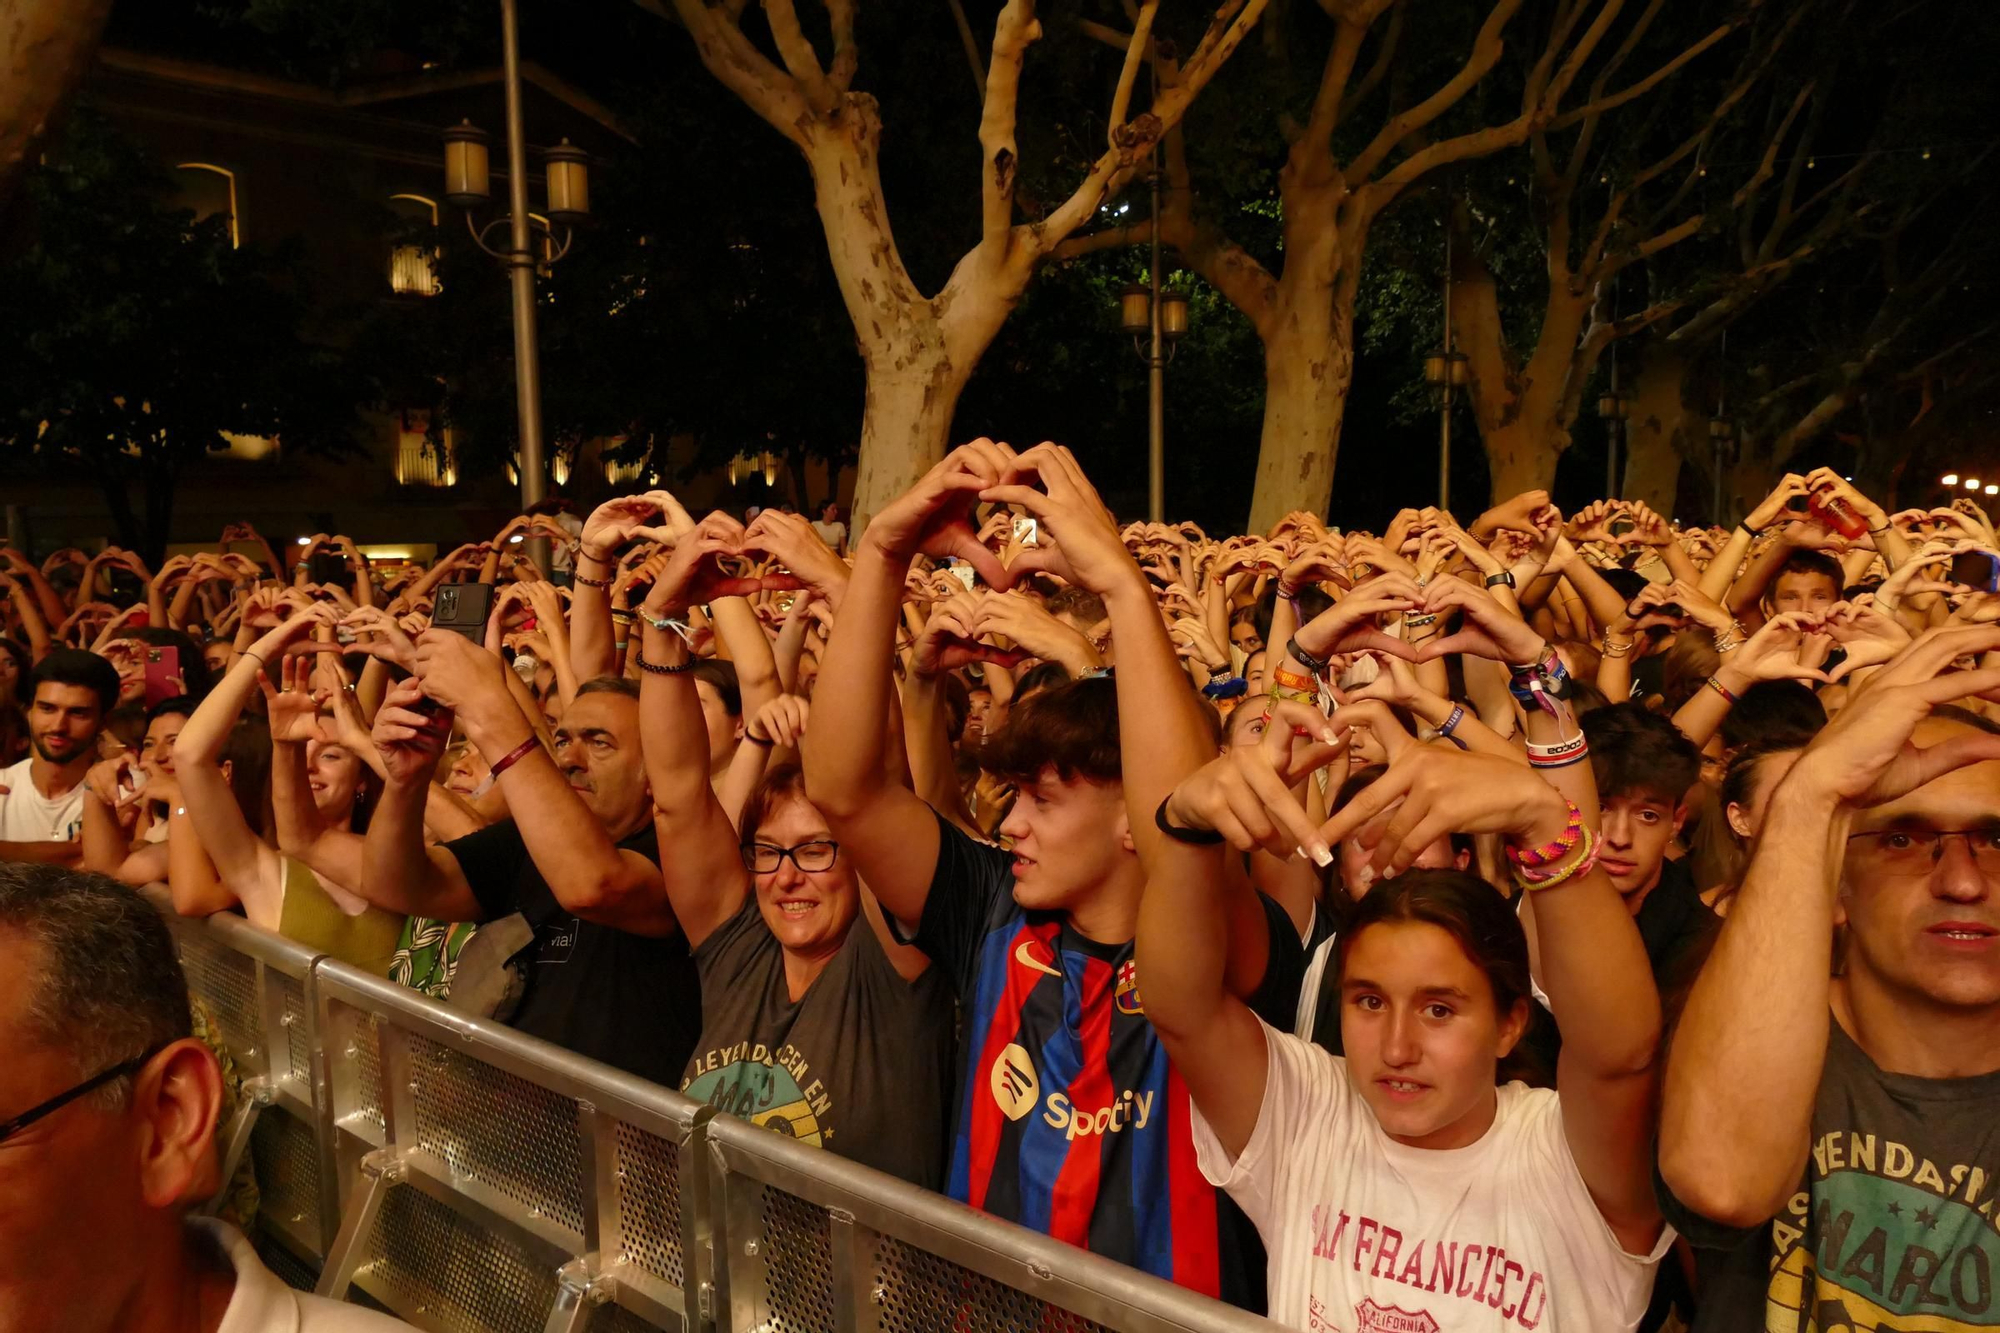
<point x="1895" y="1209"/>
<point x="1927" y="1219"/>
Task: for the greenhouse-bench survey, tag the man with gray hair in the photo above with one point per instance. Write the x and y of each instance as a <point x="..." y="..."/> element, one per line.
<point x="108" y="1106"/>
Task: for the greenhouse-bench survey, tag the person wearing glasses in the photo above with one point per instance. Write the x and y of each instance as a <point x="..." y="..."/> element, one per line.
<point x="816" y="1023"/>
<point x="108" y="1109"/>
<point x="1830" y="1143"/>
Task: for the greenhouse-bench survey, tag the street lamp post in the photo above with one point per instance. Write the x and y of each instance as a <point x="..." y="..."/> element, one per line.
<point x="1161" y="316"/>
<point x="1613" y="408"/>
<point x="1443" y="372"/>
<point x="466" y="187"/>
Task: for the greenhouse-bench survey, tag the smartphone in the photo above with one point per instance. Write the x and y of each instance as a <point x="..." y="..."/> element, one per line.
<point x="163" y="674"/>
<point x="1978" y="570"/>
<point x="1027" y="531"/>
<point x="965" y="574"/>
<point x="462" y="608"/>
<point x="785" y="602"/>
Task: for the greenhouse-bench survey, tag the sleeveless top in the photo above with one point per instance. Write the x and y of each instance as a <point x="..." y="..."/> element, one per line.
<point x="314" y="919"/>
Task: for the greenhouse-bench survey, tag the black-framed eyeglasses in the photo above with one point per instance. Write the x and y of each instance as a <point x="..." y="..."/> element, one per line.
<point x="1918" y="849"/>
<point x="764" y="859"/>
<point x="9" y="1128"/>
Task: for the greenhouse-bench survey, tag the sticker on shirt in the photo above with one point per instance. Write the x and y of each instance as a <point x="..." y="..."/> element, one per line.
<point x="555" y="940"/>
<point x="1890" y="1247"/>
<point x="751" y="1082"/>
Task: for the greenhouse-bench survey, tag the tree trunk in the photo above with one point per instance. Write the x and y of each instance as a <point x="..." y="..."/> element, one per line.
<point x="1656" y="431"/>
<point x="905" y="426"/>
<point x="45" y="47"/>
<point x="1519" y="459"/>
<point x="1308" y="366"/>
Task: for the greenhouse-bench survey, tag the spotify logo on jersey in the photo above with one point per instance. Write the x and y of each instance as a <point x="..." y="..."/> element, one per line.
<point x="1015" y="1086"/>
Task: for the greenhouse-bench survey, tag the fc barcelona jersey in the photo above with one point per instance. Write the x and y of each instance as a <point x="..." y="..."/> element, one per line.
<point x="1069" y="1117"/>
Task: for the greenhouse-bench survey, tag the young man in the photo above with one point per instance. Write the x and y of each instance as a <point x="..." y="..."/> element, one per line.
<point x="606" y="971"/>
<point x="1830" y="1143"/>
<point x="1806" y="581"/>
<point x="41" y="806"/>
<point x="1644" y="769"/>
<point x="1069" y="1118"/>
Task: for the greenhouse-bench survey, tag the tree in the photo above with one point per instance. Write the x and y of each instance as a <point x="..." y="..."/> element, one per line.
<point x="917" y="349"/>
<point x="137" y="336"/>
<point x="1337" y="179"/>
<point x="45" y="47"/>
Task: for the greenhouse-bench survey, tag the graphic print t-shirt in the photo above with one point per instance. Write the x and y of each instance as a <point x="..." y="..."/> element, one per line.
<point x="1367" y="1235"/>
<point x="1069" y="1118"/>
<point x="859" y="1065"/>
<point x="1892" y="1227"/>
<point x="632" y="1001"/>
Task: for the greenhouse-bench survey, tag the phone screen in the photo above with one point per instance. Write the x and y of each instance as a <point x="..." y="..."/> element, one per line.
<point x="1978" y="570"/>
<point x="965" y="574"/>
<point x="1027" y="532"/>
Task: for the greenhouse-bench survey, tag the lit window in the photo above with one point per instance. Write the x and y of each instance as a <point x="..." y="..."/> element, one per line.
<point x="211" y="190"/>
<point x="418" y="462"/>
<point x="412" y="265"/>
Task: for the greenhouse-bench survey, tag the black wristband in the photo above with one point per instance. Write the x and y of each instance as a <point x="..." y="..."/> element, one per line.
<point x="764" y="741"/>
<point x="1316" y="665"/>
<point x="1755" y="533"/>
<point x="1193" y="837"/>
<point x="1505" y="576"/>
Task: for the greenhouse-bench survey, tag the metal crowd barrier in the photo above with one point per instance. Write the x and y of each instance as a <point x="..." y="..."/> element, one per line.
<point x="469" y="1178"/>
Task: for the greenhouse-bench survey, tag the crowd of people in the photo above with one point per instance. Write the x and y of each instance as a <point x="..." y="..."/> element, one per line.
<point x="1540" y="922"/>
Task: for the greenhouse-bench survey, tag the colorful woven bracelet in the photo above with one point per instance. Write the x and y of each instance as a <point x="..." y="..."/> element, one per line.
<point x="1532" y="857"/>
<point x="1584" y="862"/>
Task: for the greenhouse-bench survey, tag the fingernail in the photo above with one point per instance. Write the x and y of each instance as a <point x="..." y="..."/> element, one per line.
<point x="1322" y="854"/>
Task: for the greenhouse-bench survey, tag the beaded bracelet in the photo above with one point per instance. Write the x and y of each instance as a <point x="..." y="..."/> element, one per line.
<point x="661" y="668"/>
<point x="587" y="581"/>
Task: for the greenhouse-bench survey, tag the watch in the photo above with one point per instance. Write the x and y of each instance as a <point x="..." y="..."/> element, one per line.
<point x="1505" y="576"/>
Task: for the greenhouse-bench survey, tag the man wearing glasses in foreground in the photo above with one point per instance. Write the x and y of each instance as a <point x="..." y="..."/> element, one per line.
<point x="108" y="1108"/>
<point x="1828" y="1133"/>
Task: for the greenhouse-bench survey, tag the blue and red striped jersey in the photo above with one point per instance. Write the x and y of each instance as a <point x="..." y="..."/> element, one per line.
<point x="1069" y="1117"/>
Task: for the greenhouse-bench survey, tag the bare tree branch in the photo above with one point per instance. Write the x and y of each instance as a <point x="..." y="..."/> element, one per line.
<point x="740" y="67"/>
<point x="1128" y="73"/>
<point x="971" y="45"/>
<point x="1385" y="56"/>
<point x="1486" y="50"/>
<point x="1016" y="30"/>
<point x="798" y="55"/>
<point x="846" y="59"/>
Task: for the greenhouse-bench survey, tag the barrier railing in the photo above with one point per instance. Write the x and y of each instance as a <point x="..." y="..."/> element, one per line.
<point x="467" y="1177"/>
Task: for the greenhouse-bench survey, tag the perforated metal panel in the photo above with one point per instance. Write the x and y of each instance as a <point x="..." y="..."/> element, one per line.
<point x="288" y="1175"/>
<point x="438" y="1271"/>
<point x="363" y="1051"/>
<point x="649" y="1202"/>
<point x="227" y="982"/>
<point x="500" y="1130"/>
<point x="922" y="1292"/>
<point x="798" y="1264"/>
<point x="297" y="1035"/>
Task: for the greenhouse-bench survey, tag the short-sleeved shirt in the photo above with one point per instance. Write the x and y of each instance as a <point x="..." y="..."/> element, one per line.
<point x="28" y="816"/>
<point x="1892" y="1226"/>
<point x="632" y="1001"/>
<point x="860" y="1064"/>
<point x="1366" y="1233"/>
<point x="1069" y="1118"/>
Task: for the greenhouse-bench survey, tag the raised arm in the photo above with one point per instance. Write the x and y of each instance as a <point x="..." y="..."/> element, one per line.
<point x="889" y="830"/>
<point x="398" y="873"/>
<point x="1744" y="1071"/>
<point x="700" y="857"/>
<point x="585" y="869"/>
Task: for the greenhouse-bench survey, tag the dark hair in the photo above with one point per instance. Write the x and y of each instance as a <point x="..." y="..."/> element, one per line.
<point x="1773" y="710"/>
<point x="1335" y="900"/>
<point x="179" y="705"/>
<point x="24" y="663"/>
<point x="780" y="783"/>
<point x="106" y="980"/>
<point x="1071" y="727"/>
<point x="1637" y="752"/>
<point x="247" y="751"/>
<point x="1082" y="603"/>
<point x="1966" y="717"/>
<point x="957" y="704"/>
<point x="1465" y="907"/>
<point x="1741" y="775"/>
<point x="1807" y="562"/>
<point x="1039" y="677"/>
<point x="610" y="685"/>
<point x="194" y="667"/>
<point x="74" y="666"/>
<point x="721" y="676"/>
<point x="554" y="504"/>
<point x="1627" y="583"/>
<point x="127" y="722"/>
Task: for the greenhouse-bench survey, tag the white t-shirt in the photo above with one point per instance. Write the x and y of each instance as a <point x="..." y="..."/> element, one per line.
<point x="1367" y="1235"/>
<point x="28" y="816"/>
<point x="263" y="1304"/>
<point x="833" y="534"/>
